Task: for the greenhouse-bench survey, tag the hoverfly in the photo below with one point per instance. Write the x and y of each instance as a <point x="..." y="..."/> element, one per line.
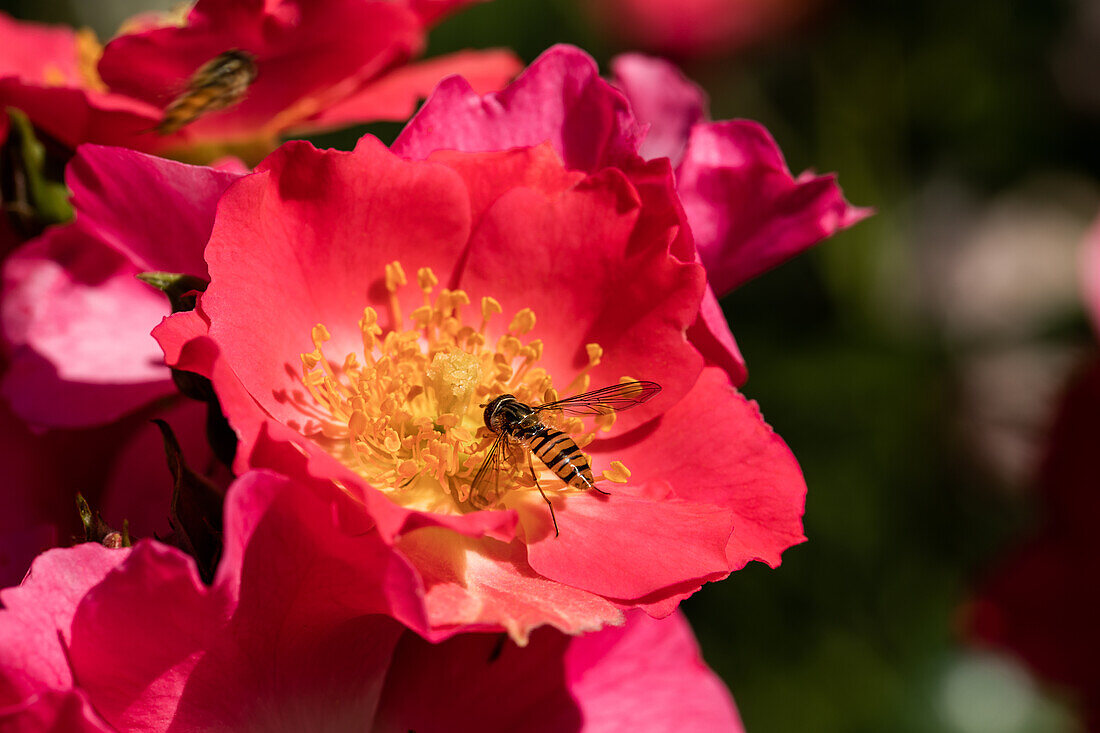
<point x="515" y="423"/>
<point x="219" y="83"/>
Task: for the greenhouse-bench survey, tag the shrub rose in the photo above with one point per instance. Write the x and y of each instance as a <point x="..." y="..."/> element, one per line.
<point x="577" y="261"/>
<point x="559" y="99"/>
<point x="295" y="634"/>
<point x="332" y="360"/>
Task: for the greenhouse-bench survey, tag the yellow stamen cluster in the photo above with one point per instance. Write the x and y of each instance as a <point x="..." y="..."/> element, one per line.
<point x="407" y="412"/>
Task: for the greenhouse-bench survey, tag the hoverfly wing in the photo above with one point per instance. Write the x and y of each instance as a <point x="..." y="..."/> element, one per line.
<point x="487" y="473"/>
<point x="616" y="398"/>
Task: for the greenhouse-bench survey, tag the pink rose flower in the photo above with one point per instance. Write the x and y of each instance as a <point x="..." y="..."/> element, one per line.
<point x="319" y="64"/>
<point x="333" y="361"/>
<point x="592" y="263"/>
<point x="560" y="99"/>
<point x="297" y="632"/>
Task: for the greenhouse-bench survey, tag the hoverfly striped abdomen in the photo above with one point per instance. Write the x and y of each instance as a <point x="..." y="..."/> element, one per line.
<point x="514" y="422"/>
<point x="562" y="455"/>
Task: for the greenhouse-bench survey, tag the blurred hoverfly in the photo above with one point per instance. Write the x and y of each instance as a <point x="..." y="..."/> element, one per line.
<point x="517" y="424"/>
<point x="219" y="83"/>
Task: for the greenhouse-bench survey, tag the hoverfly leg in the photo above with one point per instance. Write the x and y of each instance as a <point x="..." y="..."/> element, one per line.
<point x="496" y="481"/>
<point x="538" y="486"/>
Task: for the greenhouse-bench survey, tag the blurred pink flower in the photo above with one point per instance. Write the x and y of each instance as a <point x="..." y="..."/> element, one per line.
<point x="697" y="27"/>
<point x="319" y="64"/>
<point x="80" y="363"/>
<point x="1039" y="601"/>
<point x="76" y="320"/>
<point x="297" y="632"/>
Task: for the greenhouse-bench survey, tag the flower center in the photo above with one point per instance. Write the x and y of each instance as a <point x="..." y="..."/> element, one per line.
<point x="407" y="413"/>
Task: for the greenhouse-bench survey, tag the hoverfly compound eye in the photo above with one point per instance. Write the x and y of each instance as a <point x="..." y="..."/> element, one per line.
<point x="492" y="408"/>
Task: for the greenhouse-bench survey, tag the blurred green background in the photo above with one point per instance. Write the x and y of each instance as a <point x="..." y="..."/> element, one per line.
<point x="910" y="363"/>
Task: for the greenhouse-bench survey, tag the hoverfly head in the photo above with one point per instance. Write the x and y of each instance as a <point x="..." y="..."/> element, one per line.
<point x="492" y="407"/>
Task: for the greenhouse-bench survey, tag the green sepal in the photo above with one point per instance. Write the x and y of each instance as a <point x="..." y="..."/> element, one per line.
<point x="179" y="288"/>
